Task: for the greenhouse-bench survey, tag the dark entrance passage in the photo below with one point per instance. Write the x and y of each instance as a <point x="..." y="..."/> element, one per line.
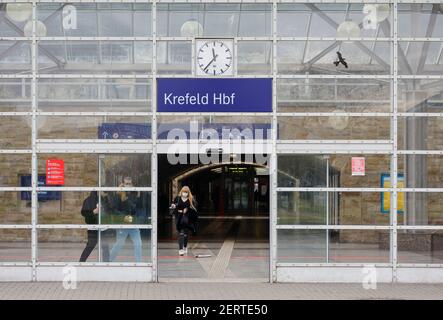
<point x="232" y="240"/>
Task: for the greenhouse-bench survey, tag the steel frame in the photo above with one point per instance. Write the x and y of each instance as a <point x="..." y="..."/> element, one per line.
<point x="389" y="147"/>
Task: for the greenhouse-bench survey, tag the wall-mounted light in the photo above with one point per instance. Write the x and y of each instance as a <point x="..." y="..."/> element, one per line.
<point x="191" y="28"/>
<point x="40" y="29"/>
<point x="338" y="122"/>
<point x="19" y="12"/>
<point x="348" y="29"/>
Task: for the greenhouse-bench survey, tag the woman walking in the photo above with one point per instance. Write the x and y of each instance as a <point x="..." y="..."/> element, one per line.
<point x="185" y="213"/>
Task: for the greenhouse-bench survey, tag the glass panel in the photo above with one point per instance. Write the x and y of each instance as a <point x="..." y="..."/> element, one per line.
<point x="331" y="128"/>
<point x="414" y="20"/>
<point x="420" y="133"/>
<point x="301" y="207"/>
<point x="82" y="170"/>
<point x="421" y="170"/>
<point x="420" y="246"/>
<point x="302" y="171"/>
<point x="338" y="208"/>
<point x="15" y="95"/>
<point x="63" y="207"/>
<point x="100" y="56"/>
<point x="418" y="57"/>
<point x="15" y="16"/>
<point x="92" y="20"/>
<point x="421" y="208"/>
<point x="94" y="95"/>
<point x="322" y="20"/>
<point x="333" y="95"/>
<point x="15" y="57"/>
<point x="15" y="208"/>
<point x="310" y="171"/>
<point x="125" y="207"/>
<point x="127" y="245"/>
<point x="68" y="245"/>
<point x="75" y="207"/>
<point x="359" y="246"/>
<point x="301" y="246"/>
<point x="93" y="127"/>
<point x="15" y="132"/>
<point x="420" y="96"/>
<point x="15" y="245"/>
<point x="13" y="169"/>
<point x="254" y="57"/>
<point x="317" y="57"/>
<point x="359" y="208"/>
<point x="174" y="57"/>
<point x="210" y="20"/>
<point x="214" y="127"/>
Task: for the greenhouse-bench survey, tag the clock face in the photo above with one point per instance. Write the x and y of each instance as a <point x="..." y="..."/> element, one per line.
<point x="214" y="57"/>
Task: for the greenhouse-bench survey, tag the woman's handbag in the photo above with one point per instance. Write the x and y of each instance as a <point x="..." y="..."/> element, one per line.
<point x="171" y="209"/>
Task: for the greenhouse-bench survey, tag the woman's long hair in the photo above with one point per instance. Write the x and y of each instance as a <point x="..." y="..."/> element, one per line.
<point x="190" y="196"/>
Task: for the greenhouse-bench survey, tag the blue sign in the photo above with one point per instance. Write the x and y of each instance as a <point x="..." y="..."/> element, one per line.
<point x="25" y="181"/>
<point x="124" y="131"/>
<point x="214" y="95"/>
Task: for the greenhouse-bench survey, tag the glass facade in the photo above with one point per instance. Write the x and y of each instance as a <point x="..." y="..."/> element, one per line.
<point x="69" y="72"/>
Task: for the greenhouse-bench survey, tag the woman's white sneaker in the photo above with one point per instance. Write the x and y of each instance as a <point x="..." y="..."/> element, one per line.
<point x="181" y="252"/>
<point x="185" y="250"/>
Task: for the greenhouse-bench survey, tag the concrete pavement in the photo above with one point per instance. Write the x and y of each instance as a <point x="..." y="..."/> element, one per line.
<point x="215" y="291"/>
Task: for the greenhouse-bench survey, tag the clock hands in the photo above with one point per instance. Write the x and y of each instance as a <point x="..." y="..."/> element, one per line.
<point x="213" y="59"/>
<point x="213" y="54"/>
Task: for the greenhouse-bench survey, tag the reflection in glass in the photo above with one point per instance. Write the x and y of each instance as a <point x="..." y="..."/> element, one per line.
<point x="226" y="20"/>
<point x="94" y="127"/>
<point x="420" y="246"/>
<point x="420" y="95"/>
<point x="323" y="19"/>
<point x="359" y="246"/>
<point x="316" y="57"/>
<point x="419" y="57"/>
<point x="331" y="95"/>
<point x="15" y="245"/>
<point x="96" y="19"/>
<point x="174" y="57"/>
<point x="415" y="19"/>
<point x="102" y="56"/>
<point x="301" y="207"/>
<point x="254" y="57"/>
<point x="421" y="209"/>
<point x="334" y="127"/>
<point x="15" y="132"/>
<point x="15" y="208"/>
<point x="420" y="133"/>
<point x="68" y="245"/>
<point x="301" y="246"/>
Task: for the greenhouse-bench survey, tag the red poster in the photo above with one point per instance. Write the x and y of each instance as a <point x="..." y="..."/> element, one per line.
<point x="55" y="172"/>
<point x="358" y="166"/>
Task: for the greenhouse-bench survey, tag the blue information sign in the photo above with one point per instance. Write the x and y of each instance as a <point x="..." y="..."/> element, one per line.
<point x="214" y="95"/>
<point x="25" y="181"/>
<point x="124" y="131"/>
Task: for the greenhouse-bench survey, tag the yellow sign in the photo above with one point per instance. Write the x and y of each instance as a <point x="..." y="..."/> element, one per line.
<point x="386" y="197"/>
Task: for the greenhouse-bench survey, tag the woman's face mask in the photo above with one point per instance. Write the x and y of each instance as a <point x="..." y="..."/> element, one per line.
<point x="184" y="194"/>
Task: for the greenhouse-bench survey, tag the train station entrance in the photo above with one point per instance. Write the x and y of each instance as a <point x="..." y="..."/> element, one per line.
<point x="231" y="240"/>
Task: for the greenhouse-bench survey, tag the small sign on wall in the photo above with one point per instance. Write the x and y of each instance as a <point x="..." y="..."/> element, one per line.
<point x="358" y="166"/>
<point x="55" y="172"/>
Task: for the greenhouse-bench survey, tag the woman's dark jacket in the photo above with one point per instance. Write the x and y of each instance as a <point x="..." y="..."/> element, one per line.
<point x="184" y="220"/>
